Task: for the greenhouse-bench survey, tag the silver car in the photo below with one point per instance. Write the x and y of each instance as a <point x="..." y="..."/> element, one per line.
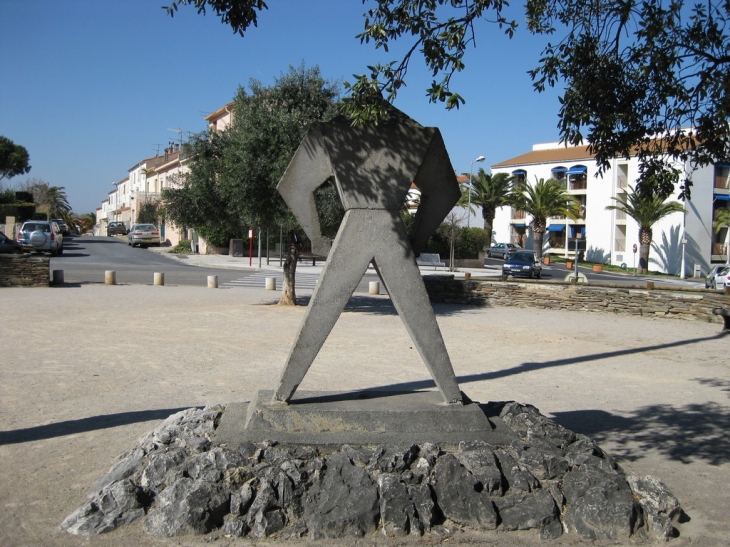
<point x="41" y="236"/>
<point x="143" y="235"/>
<point x="502" y="250"/>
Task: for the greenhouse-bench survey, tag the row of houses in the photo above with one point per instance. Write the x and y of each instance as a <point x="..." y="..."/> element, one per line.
<point x="682" y="243"/>
<point x="145" y="181"/>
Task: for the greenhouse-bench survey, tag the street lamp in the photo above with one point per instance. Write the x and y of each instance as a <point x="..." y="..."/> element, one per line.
<point x="468" y="209"/>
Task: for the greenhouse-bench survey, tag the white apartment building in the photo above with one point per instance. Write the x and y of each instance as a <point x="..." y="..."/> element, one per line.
<point x="608" y="236"/>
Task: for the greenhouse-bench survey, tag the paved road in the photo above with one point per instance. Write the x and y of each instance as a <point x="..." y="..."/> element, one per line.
<point x="85" y="259"/>
<point x="558" y="271"/>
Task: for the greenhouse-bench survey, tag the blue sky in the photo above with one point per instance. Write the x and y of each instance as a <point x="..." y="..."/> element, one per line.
<point x="91" y="87"/>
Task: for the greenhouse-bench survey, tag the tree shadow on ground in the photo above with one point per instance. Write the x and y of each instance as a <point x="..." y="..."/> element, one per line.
<point x="379" y="305"/>
<point x="724" y="385"/>
<point x="83" y="425"/>
<point x="685" y="434"/>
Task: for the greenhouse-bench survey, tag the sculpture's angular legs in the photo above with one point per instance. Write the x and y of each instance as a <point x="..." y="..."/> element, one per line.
<point x="366" y="234"/>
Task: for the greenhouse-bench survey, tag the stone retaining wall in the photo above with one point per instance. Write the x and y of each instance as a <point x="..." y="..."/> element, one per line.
<point x="24" y="271"/>
<point x="680" y="303"/>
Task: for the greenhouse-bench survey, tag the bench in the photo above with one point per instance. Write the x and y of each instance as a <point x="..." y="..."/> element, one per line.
<point x="310" y="256"/>
<point x="725" y="317"/>
<point x="430" y="259"/>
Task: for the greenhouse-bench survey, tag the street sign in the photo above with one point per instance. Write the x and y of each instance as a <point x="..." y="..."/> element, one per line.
<point x="634" y="247"/>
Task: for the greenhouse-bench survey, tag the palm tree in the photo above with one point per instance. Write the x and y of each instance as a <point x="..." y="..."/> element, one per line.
<point x="722" y="220"/>
<point x="544" y="199"/>
<point x="489" y="192"/>
<point x="646" y="210"/>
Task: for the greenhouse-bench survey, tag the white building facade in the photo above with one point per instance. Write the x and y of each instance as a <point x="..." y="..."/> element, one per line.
<point x="608" y="236"/>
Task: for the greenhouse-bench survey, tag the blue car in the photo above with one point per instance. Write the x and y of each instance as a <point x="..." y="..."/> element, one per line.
<point x="522" y="263"/>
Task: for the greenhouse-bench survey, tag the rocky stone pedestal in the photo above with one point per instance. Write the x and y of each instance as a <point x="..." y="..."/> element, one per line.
<point x="186" y="477"/>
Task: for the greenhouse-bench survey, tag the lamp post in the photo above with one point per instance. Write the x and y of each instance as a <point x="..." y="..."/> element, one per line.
<point x="468" y="209"/>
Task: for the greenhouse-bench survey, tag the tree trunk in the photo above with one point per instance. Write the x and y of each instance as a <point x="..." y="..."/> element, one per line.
<point x="488" y="216"/>
<point x="644" y="248"/>
<point x="539" y="237"/>
<point x="288" y="292"/>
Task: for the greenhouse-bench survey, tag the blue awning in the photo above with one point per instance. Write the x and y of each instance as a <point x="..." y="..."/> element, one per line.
<point x="578" y="170"/>
<point x="519" y="225"/>
<point x="722" y="165"/>
<point x="722" y="197"/>
<point x="558" y="170"/>
<point x="519" y="172"/>
<point x="556" y="227"/>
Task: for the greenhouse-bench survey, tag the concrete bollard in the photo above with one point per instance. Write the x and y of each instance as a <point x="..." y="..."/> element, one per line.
<point x="57" y="278"/>
<point x="159" y="278"/>
<point x="212" y="281"/>
<point x="110" y="277"/>
<point x="374" y="287"/>
<point x="467" y="275"/>
<point x="270" y="283"/>
<point x="649" y="285"/>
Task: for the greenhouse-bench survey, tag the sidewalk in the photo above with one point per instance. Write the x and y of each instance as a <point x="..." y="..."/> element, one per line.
<point x="304" y="266"/>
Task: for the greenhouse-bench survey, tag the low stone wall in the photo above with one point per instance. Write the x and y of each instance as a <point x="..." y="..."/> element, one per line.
<point x="24" y="270"/>
<point x="681" y="303"/>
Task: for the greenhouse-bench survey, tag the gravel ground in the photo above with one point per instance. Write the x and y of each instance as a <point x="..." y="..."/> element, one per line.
<point x="85" y="370"/>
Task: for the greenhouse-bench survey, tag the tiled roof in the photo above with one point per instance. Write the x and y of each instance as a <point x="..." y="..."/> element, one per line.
<point x="550" y="155"/>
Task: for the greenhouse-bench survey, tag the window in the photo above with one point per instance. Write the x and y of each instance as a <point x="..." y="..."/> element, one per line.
<point x="520" y="176"/>
<point x="722" y="176"/>
<point x="577" y="179"/>
<point x="558" y="173"/>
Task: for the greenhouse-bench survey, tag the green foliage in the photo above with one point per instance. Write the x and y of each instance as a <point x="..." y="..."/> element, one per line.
<point x="635" y="75"/>
<point x="544" y="199"/>
<point x="722" y="219"/>
<point x="149" y="212"/>
<point x="468" y="242"/>
<point x="233" y="174"/>
<point x="183" y="247"/>
<point x="329" y="208"/>
<point x="14" y="159"/>
<point x="488" y="192"/>
<point x="633" y="70"/>
<point x="646" y="209"/>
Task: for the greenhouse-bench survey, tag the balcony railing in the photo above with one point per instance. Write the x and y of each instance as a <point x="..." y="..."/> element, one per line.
<point x="580" y="184"/>
<point x="517" y="215"/>
<point x="619" y="245"/>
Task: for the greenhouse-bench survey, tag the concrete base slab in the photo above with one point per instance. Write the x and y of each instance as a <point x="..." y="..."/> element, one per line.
<point x="365" y="417"/>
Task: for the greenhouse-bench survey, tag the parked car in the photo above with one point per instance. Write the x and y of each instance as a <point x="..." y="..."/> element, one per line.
<point x="143" y="235"/>
<point x="116" y="228"/>
<point x="710" y="279"/>
<point x="722" y="278"/>
<point x="9" y="246"/>
<point x="41" y="236"/>
<point x="62" y="225"/>
<point x="523" y="263"/>
<point x="502" y="250"/>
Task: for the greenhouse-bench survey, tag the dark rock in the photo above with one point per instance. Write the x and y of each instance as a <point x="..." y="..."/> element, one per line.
<point x="397" y="512"/>
<point x="661" y="508"/>
<point x="234" y="526"/>
<point x="116" y="504"/>
<point x="347" y="502"/>
<point x="360" y="455"/>
<point x="247" y="449"/>
<point x="457" y="497"/>
<point x="528" y="423"/>
<point x="544" y="464"/>
<point x="526" y="511"/>
<point x="422" y="498"/>
<point x="129" y="464"/>
<point x="241" y="500"/>
<point x="187" y="506"/>
<point x="199" y="444"/>
<point x="154" y="474"/>
<point x="267" y="523"/>
<point x="479" y="459"/>
<point x="394" y="458"/>
<point x="518" y="477"/>
<point x="599" y="505"/>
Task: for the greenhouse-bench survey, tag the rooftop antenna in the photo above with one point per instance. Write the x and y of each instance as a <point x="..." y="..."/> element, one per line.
<point x="179" y="134"/>
<point x="156" y="146"/>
